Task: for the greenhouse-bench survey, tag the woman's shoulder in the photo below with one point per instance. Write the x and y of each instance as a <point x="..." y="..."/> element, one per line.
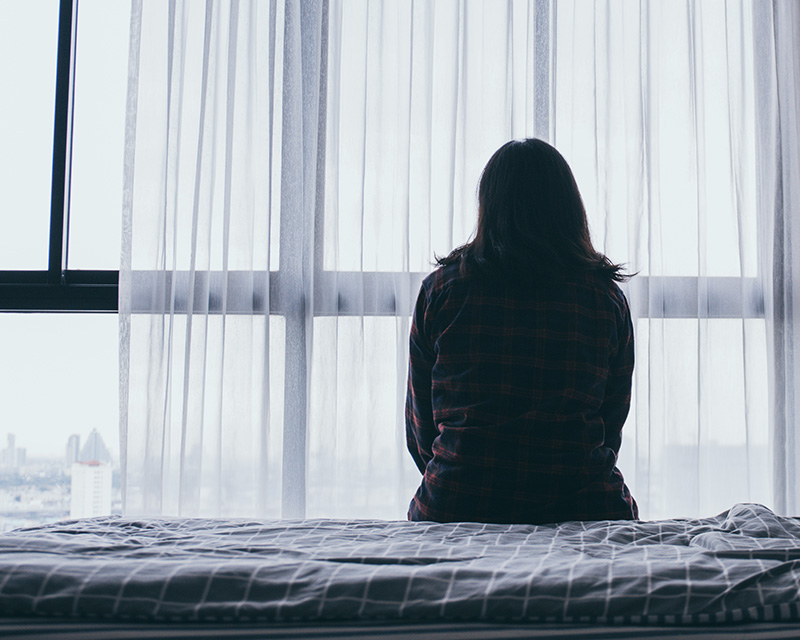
<point x="443" y="278"/>
<point x="607" y="297"/>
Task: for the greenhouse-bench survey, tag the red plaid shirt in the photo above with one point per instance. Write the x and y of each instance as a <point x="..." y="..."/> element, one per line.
<point x="516" y="399"/>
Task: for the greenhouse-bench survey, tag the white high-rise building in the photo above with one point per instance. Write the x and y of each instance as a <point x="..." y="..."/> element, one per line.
<point x="90" y="492"/>
<point x="94" y="449"/>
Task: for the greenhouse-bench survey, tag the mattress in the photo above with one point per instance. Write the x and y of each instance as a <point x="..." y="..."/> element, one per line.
<point x="73" y="629"/>
<point x="740" y="566"/>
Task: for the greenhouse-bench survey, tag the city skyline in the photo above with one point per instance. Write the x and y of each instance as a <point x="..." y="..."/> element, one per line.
<point x="82" y="482"/>
<point x="75" y="448"/>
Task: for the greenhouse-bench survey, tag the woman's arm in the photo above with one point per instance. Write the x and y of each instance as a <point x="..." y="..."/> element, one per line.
<point x="617" y="401"/>
<point x="420" y="427"/>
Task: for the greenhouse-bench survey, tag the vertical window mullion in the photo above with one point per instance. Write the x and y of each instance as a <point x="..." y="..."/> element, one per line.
<point x="541" y="70"/>
<point x="61" y="135"/>
<point x="298" y="245"/>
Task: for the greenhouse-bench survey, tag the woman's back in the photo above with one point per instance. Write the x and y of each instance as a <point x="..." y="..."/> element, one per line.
<point x="517" y="396"/>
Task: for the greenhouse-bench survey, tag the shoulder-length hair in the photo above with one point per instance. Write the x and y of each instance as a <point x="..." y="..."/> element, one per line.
<point x="531" y="220"/>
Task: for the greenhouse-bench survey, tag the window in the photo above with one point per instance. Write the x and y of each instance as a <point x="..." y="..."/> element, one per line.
<point x="59" y="246"/>
<point x="361" y="277"/>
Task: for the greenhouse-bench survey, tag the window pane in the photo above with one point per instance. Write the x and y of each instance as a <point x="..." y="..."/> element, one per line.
<point x="241" y="233"/>
<point x="665" y="161"/>
<point x="220" y="437"/>
<point x="358" y="465"/>
<point x="58" y="387"/>
<point x="28" y="49"/>
<point x="101" y="77"/>
<point x="411" y="120"/>
<point x="699" y="417"/>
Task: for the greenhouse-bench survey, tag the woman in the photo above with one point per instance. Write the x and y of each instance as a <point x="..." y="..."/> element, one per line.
<point x="521" y="357"/>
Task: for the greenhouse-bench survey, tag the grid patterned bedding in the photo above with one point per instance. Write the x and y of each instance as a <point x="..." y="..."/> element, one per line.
<point x="742" y="565"/>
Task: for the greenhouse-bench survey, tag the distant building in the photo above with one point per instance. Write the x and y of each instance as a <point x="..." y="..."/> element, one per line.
<point x="90" y="489"/>
<point x="73" y="448"/>
<point x="94" y="450"/>
<point x="8" y="456"/>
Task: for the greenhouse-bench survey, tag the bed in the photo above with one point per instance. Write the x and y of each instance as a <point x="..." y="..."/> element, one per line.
<point x="736" y="573"/>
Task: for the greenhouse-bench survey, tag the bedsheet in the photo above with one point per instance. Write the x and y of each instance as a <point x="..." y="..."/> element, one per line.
<point x="743" y="565"/>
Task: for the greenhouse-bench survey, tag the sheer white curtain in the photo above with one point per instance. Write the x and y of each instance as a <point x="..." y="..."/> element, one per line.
<point x="293" y="167"/>
<point x="655" y="110"/>
<point x="220" y="179"/>
<point x="778" y="117"/>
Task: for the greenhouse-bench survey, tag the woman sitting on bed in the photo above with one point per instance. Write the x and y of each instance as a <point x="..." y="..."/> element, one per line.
<point x="521" y="357"/>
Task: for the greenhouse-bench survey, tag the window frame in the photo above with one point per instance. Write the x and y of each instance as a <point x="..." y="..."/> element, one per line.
<point x="58" y="289"/>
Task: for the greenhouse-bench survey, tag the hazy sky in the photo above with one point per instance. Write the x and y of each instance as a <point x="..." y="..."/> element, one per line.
<point x="59" y="376"/>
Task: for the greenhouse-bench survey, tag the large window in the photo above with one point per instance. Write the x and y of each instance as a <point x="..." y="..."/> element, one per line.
<point x="698" y="290"/>
<point x="60" y="204"/>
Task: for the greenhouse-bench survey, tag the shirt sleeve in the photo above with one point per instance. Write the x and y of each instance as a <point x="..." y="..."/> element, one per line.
<point x="617" y="400"/>
<point x="420" y="427"/>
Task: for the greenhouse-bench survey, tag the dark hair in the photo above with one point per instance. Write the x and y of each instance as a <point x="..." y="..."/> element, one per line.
<point x="531" y="221"/>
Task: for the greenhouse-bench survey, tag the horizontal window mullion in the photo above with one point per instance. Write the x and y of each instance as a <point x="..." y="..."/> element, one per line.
<point x="212" y="292"/>
<point x="368" y="293"/>
<point x="97" y="277"/>
<point x="70" y="277"/>
<point x="695" y="297"/>
<point x="82" y="291"/>
<point x="46" y="298"/>
<point x="357" y="293"/>
<point x="335" y="293"/>
<point x="24" y="277"/>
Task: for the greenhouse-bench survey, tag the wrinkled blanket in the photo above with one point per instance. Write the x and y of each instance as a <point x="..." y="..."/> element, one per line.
<point x="741" y="565"/>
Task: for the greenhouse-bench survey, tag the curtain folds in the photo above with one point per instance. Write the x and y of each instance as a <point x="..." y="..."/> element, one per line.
<point x="654" y="109"/>
<point x="779" y="201"/>
<point x="294" y="166"/>
<point x="221" y="162"/>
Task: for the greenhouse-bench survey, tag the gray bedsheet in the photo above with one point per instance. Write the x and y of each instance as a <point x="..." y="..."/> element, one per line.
<point x="741" y="565"/>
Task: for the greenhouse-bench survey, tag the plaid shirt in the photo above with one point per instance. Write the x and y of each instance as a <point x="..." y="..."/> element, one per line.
<point x="516" y="400"/>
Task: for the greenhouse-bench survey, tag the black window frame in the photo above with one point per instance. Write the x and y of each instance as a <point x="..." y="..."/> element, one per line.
<point x="59" y="289"/>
